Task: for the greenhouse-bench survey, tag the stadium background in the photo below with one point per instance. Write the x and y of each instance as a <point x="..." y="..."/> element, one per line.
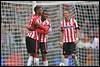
<point x="15" y="14"/>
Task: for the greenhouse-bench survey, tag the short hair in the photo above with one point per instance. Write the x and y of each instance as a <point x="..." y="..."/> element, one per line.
<point x="44" y="11"/>
<point x="36" y="8"/>
<point x="67" y="10"/>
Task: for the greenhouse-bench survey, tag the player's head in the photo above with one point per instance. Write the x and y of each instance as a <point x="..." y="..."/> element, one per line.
<point x="38" y="10"/>
<point x="66" y="13"/>
<point x="45" y="14"/>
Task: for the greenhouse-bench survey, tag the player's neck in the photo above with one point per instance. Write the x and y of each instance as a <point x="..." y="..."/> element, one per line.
<point x="37" y="15"/>
<point x="67" y="19"/>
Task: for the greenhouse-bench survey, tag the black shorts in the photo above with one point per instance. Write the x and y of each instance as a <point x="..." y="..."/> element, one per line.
<point x="69" y="48"/>
<point x="33" y="48"/>
<point x="43" y="47"/>
<point x="30" y="45"/>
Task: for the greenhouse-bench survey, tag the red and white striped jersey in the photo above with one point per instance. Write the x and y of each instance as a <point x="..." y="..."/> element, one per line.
<point x="69" y="30"/>
<point x="43" y="37"/>
<point x="33" y="34"/>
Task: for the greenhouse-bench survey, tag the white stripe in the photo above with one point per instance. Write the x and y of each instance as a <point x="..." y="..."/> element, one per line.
<point x="30" y="34"/>
<point x="37" y="36"/>
<point x="37" y="20"/>
<point x="45" y="39"/>
<point x="33" y="34"/>
<point x="27" y="34"/>
<point x="47" y="22"/>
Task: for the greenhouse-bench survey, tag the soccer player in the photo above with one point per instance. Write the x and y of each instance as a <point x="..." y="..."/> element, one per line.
<point x="69" y="28"/>
<point x="43" y="37"/>
<point x="31" y="37"/>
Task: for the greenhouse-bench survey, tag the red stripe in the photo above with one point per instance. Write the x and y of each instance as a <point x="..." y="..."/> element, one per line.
<point x="67" y="33"/>
<point x="73" y="22"/>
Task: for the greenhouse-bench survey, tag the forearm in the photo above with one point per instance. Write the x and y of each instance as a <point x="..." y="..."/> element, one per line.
<point x="61" y="38"/>
<point x="40" y="26"/>
<point x="45" y="28"/>
<point x="41" y="31"/>
<point x="30" y="28"/>
<point x="76" y="33"/>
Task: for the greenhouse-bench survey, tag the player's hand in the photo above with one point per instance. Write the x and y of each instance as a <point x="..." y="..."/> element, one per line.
<point x="36" y="24"/>
<point x="33" y="28"/>
<point x="60" y="44"/>
<point x="76" y="41"/>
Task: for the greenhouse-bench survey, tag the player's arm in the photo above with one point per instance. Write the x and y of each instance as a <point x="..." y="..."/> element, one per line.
<point x="76" y="34"/>
<point x="76" y="30"/>
<point x="62" y="32"/>
<point x="41" y="31"/>
<point x="45" y="28"/>
<point x="48" y="25"/>
<point x="30" y="28"/>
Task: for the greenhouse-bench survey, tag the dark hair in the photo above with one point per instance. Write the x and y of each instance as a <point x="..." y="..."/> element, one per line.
<point x="36" y="8"/>
<point x="44" y="11"/>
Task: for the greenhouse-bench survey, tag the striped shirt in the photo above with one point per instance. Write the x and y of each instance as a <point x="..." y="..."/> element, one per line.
<point x="69" y="30"/>
<point x="43" y="37"/>
<point x="33" y="34"/>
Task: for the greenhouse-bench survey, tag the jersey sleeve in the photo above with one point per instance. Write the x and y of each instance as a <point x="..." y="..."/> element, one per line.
<point x="31" y="25"/>
<point x="76" y="24"/>
<point x="48" y="23"/>
<point x="34" y="19"/>
<point x="28" y="26"/>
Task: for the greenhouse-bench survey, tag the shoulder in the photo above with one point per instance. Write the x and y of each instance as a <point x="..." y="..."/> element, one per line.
<point x="62" y="20"/>
<point x="48" y="21"/>
<point x="36" y="17"/>
<point x="72" y="18"/>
